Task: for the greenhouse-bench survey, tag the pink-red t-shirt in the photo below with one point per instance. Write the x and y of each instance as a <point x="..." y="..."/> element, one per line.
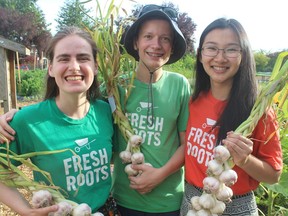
<point x="201" y="138"/>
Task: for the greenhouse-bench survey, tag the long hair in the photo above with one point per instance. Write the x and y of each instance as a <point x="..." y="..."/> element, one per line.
<point x="52" y="89"/>
<point x="244" y="89"/>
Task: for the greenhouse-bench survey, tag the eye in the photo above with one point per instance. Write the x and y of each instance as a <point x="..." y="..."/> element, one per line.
<point x="148" y="36"/>
<point x="166" y="39"/>
<point x="84" y="58"/>
<point x="232" y="49"/>
<point x="211" y="48"/>
<point x="63" y="59"/>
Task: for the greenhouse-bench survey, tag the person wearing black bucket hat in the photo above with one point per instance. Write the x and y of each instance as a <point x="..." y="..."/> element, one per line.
<point x="157" y="109"/>
<point x="167" y="13"/>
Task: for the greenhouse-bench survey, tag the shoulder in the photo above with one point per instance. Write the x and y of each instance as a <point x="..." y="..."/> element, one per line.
<point x="176" y="78"/>
<point x="30" y="113"/>
<point x="32" y="109"/>
<point x="101" y="105"/>
<point x="175" y="75"/>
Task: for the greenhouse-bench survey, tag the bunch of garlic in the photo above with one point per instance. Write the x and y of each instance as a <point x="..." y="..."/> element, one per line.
<point x="132" y="154"/>
<point x="216" y="186"/>
<point x="44" y="198"/>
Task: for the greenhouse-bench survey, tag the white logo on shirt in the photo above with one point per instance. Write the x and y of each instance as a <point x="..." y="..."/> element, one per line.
<point x="82" y="143"/>
<point x="144" y="105"/>
<point x="209" y="123"/>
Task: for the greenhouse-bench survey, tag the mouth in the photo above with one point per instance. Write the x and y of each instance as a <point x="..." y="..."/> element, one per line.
<point x="74" y="78"/>
<point x="153" y="54"/>
<point x="219" y="69"/>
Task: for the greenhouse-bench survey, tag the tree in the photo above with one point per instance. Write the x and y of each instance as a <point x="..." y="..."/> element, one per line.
<point x="23" y="22"/>
<point x="74" y="13"/>
<point x="261" y="61"/>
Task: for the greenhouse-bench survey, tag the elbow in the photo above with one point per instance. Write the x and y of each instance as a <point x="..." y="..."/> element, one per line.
<point x="275" y="178"/>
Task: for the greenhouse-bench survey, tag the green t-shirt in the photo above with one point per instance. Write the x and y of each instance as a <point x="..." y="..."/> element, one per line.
<point x="170" y="106"/>
<point x="85" y="175"/>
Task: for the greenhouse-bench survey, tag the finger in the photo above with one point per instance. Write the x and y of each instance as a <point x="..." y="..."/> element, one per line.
<point x="6" y="135"/>
<point x="137" y="167"/>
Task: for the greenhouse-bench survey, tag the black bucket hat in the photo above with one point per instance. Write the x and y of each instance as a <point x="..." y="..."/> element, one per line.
<point x="149" y="12"/>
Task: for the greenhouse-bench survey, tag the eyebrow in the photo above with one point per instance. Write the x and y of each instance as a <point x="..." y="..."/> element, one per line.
<point x="229" y="44"/>
<point x="77" y="55"/>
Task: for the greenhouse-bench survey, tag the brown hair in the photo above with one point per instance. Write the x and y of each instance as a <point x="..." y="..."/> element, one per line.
<point x="52" y="89"/>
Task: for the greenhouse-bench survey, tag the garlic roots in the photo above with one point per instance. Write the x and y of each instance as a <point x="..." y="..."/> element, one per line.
<point x="216" y="186"/>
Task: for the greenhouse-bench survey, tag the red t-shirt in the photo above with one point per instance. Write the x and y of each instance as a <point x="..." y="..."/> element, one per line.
<point x="201" y="139"/>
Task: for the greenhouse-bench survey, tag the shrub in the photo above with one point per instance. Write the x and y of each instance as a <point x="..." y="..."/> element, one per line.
<point x="32" y="83"/>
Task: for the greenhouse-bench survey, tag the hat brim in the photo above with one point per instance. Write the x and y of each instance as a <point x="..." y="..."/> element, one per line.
<point x="179" y="44"/>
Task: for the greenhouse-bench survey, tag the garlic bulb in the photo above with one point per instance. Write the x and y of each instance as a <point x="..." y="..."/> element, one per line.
<point x="203" y="212"/>
<point x="64" y="208"/>
<point x="228" y="177"/>
<point x="97" y="214"/>
<point x="211" y="184"/>
<point x="224" y="193"/>
<point x="82" y="210"/>
<point x="135" y="140"/>
<point x="214" y="168"/>
<point x="125" y="156"/>
<point x="216" y="188"/>
<point x="218" y="208"/>
<point x="207" y="201"/>
<point x="41" y="198"/>
<point x="221" y="153"/>
<point x="130" y="171"/>
<point x="137" y="158"/>
<point x="195" y="203"/>
<point x="191" y="212"/>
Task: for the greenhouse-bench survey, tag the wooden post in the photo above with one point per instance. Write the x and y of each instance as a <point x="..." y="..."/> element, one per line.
<point x="13" y="88"/>
<point x="18" y="66"/>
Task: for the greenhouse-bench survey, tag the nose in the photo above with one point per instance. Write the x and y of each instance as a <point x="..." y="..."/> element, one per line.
<point x="156" y="43"/>
<point x="74" y="64"/>
<point x="220" y="54"/>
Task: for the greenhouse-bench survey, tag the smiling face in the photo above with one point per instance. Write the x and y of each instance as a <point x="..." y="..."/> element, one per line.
<point x="154" y="43"/>
<point x="221" y="69"/>
<point x="73" y="65"/>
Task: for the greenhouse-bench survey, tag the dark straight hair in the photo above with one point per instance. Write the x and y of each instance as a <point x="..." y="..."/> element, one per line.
<point x="244" y="89"/>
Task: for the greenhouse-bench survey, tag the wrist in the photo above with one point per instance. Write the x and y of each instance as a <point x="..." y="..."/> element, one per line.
<point x="244" y="162"/>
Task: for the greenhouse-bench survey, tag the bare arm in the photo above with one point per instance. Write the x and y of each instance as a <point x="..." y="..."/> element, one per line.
<point x="151" y="177"/>
<point x="13" y="199"/>
<point x="241" y="148"/>
<point x="5" y="128"/>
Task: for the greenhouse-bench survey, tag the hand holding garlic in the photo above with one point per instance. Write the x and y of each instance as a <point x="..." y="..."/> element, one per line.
<point x="216" y="186"/>
<point x="44" y="198"/>
<point x="239" y="147"/>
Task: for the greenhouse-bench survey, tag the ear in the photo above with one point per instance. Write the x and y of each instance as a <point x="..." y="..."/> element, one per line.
<point x="50" y="71"/>
<point x="135" y="45"/>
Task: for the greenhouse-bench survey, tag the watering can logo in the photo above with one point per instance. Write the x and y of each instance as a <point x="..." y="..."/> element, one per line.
<point x="81" y="143"/>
